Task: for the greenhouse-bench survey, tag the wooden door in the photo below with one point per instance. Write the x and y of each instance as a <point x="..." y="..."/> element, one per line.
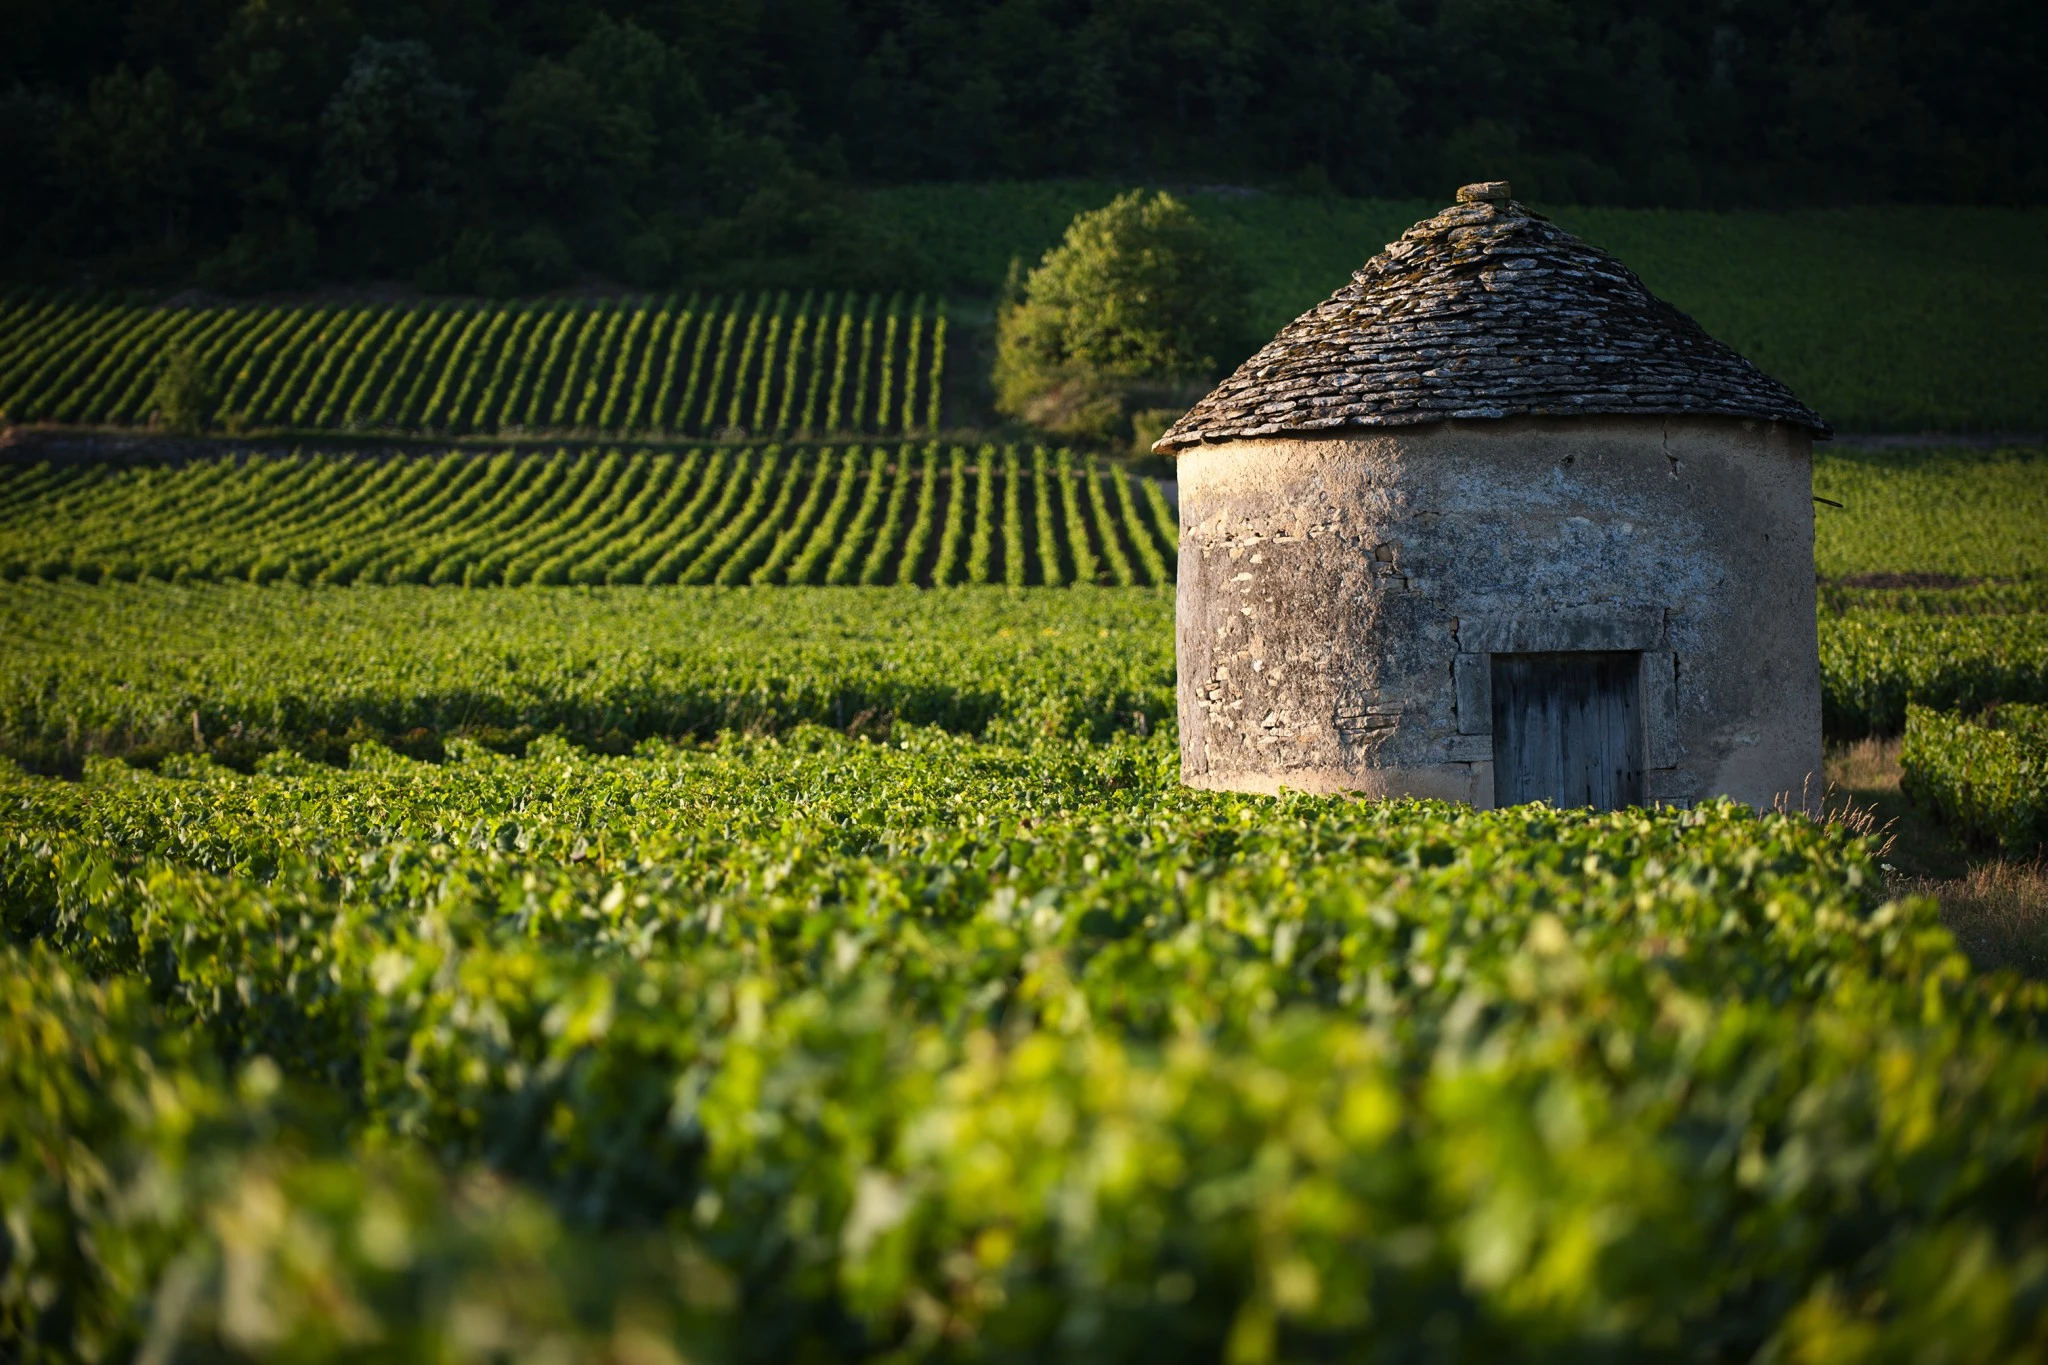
<point x="1568" y="729"/>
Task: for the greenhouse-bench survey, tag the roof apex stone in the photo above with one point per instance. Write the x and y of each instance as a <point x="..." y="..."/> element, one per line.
<point x="1486" y="310"/>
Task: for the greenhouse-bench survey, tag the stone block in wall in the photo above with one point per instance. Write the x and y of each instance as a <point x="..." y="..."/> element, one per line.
<point x="1660" y="709"/>
<point x="1670" y="787"/>
<point x="1563" y="628"/>
<point x="1469" y="748"/>
<point x="1472" y="679"/>
<point x="1482" y="785"/>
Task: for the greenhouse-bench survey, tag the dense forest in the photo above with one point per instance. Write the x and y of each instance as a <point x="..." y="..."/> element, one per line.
<point x="462" y="145"/>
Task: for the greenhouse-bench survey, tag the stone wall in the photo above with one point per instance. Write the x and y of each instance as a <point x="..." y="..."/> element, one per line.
<point x="1339" y="598"/>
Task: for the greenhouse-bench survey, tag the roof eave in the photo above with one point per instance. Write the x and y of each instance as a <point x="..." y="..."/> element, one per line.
<point x="1174" y="442"/>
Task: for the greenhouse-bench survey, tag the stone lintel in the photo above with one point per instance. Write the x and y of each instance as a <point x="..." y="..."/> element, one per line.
<point x="1642" y="630"/>
<point x="1599" y="627"/>
<point x="1469" y="748"/>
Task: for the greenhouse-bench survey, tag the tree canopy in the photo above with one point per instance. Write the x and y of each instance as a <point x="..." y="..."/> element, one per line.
<point x="252" y="144"/>
<point x="1136" y="303"/>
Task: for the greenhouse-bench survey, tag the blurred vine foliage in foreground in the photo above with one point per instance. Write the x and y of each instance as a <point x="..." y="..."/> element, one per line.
<point x="990" y="1044"/>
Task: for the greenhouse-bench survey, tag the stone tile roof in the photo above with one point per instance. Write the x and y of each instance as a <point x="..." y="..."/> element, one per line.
<point x="1485" y="310"/>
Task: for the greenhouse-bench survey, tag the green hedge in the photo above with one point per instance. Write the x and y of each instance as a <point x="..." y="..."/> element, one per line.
<point x="1987" y="777"/>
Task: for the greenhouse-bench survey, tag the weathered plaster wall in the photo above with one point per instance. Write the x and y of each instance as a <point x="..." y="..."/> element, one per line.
<point x="1339" y="595"/>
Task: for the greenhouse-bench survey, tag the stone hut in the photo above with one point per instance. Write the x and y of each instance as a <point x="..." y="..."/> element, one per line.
<point x="1494" y="523"/>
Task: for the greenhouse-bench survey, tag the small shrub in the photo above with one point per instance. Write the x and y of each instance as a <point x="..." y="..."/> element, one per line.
<point x="186" y="394"/>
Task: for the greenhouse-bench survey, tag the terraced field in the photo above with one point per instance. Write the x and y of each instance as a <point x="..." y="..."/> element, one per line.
<point x="766" y="364"/>
<point x="854" y="514"/>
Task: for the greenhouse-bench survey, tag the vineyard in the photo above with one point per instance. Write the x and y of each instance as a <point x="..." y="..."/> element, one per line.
<point x="958" y="1030"/>
<point x="857" y="514"/>
<point x="770" y="365"/>
<point x="1986" y="774"/>
<point x="1934" y="582"/>
<point x="237" y="672"/>
<point x="1875" y="663"/>
<point x="1919" y="533"/>
<point x="720" y="957"/>
<point x="929" y="515"/>
<point x="141" y="668"/>
<point x="1946" y="516"/>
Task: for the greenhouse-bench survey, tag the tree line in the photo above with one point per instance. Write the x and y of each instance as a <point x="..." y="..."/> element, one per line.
<point x="464" y="146"/>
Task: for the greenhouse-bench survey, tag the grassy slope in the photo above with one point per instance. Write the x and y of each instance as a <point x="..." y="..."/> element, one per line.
<point x="1892" y="319"/>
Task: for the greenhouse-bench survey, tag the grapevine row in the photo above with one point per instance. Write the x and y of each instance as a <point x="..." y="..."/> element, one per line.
<point x="895" y="513"/>
<point x="762" y="365"/>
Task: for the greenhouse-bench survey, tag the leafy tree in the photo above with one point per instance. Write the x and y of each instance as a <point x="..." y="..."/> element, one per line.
<point x="647" y="85"/>
<point x="600" y="138"/>
<point x="1136" y="307"/>
<point x="796" y="230"/>
<point x="31" y="124"/>
<point x="394" y="131"/>
<point x="393" y="139"/>
<point x="270" y="76"/>
<point x="276" y="251"/>
<point x="483" y="260"/>
<point x="262" y="144"/>
<point x="130" y="153"/>
<point x="557" y="135"/>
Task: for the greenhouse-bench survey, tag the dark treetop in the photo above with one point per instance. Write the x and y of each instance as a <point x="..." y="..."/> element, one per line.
<point x="1486" y="310"/>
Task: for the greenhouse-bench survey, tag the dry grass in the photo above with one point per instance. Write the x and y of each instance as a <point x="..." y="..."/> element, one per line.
<point x="1996" y="907"/>
<point x="1865" y="765"/>
<point x="1998" y="912"/>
